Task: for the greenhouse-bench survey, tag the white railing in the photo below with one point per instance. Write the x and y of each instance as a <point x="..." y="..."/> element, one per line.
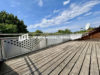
<point x="12" y="47"/>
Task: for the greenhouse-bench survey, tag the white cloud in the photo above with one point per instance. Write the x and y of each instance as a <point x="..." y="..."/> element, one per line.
<point x="96" y="13"/>
<point x="66" y="15"/>
<point x="56" y="29"/>
<point x="56" y="11"/>
<point x="61" y="28"/>
<point x="66" y="2"/>
<point x="87" y="14"/>
<point x="40" y="3"/>
<point x="96" y="24"/>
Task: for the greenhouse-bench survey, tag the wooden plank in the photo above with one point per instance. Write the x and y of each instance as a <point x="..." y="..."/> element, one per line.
<point x="94" y="66"/>
<point x="98" y="55"/>
<point x="56" y="64"/>
<point x="55" y="60"/>
<point x="76" y="68"/>
<point x="70" y="65"/>
<point x="86" y="63"/>
<point x="58" y="70"/>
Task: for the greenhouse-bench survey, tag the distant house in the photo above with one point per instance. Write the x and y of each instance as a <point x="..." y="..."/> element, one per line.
<point x="94" y="34"/>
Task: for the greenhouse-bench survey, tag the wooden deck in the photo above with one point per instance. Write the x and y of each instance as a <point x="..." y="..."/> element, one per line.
<point x="71" y="58"/>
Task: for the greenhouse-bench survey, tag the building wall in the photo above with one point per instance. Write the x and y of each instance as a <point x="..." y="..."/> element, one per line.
<point x="93" y="36"/>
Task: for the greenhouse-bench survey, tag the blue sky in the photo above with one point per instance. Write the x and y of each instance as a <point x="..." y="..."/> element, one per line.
<point x="52" y="15"/>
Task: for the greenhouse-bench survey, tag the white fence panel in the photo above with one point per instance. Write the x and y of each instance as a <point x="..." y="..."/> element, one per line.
<point x="75" y="36"/>
<point x="43" y="43"/>
<point x="0" y="51"/>
<point x="13" y="47"/>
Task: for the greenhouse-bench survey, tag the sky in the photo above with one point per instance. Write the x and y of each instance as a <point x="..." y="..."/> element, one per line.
<point x="53" y="15"/>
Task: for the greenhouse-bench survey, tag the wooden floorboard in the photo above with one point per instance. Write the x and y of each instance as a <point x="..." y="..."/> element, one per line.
<point x="94" y="66"/>
<point x="71" y="64"/>
<point x="71" y="58"/>
<point x="60" y="56"/>
<point x="98" y="55"/>
<point x="86" y="63"/>
<point x="79" y="62"/>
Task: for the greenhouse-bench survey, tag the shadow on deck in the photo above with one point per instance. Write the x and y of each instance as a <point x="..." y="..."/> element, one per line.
<point x="4" y="66"/>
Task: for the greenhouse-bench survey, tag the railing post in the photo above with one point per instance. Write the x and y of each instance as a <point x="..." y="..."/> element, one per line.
<point x="46" y="40"/>
<point x="0" y="51"/>
<point x="2" y="54"/>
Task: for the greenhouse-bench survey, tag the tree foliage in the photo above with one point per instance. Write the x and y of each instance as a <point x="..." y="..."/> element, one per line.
<point x="66" y="31"/>
<point x="11" y="23"/>
<point x="39" y="32"/>
<point x="84" y="31"/>
<point x="8" y="28"/>
<point x="60" y="31"/>
<point x="36" y="33"/>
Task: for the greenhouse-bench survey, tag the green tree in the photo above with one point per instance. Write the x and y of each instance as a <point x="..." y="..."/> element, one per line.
<point x="7" y="19"/>
<point x="90" y="29"/>
<point x="60" y="31"/>
<point x="67" y="31"/>
<point x="38" y="31"/>
<point x="8" y="28"/>
<point x="84" y="31"/>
